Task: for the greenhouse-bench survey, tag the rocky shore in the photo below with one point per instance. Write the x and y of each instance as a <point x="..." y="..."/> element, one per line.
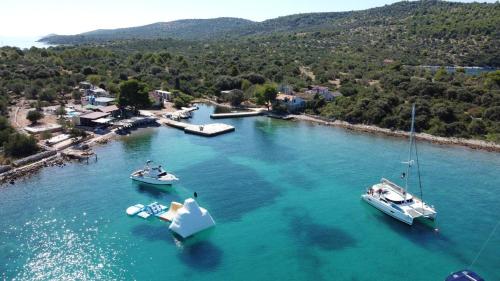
<point x="471" y="143"/>
<point x="28" y="170"/>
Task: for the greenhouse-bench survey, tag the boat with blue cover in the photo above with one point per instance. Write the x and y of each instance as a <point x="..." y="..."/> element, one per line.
<point x="464" y="275"/>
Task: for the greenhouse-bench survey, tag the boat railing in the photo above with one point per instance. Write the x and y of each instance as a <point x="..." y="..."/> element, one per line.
<point x="393" y="185"/>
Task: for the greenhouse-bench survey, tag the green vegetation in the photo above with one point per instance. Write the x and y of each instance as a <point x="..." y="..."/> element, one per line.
<point x="19" y="145"/>
<point x="181" y="100"/>
<point x="266" y="94"/>
<point x="34" y="116"/>
<point x="372" y="55"/>
<point x="133" y="94"/>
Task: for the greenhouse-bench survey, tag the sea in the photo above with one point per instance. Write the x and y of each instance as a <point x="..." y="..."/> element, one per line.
<point x="286" y="199"/>
<point x="22" y="42"/>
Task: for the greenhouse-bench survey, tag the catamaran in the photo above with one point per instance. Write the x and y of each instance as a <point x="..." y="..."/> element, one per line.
<point x="153" y="175"/>
<point x="395" y="200"/>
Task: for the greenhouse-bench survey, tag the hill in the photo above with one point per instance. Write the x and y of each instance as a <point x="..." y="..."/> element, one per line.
<point x="429" y="18"/>
<point x="189" y="29"/>
<point x="373" y="57"/>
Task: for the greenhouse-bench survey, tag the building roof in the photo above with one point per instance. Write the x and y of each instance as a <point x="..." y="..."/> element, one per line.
<point x="103" y="120"/>
<point x="94" y="115"/>
<point x="104" y="99"/>
<point x="287" y="97"/>
<point x="92" y="107"/>
<point x="108" y="109"/>
<point x="98" y="90"/>
<point x="162" y="92"/>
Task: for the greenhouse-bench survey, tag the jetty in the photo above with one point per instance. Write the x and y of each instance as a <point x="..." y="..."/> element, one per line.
<point x="208" y="130"/>
<point x="236" y="114"/>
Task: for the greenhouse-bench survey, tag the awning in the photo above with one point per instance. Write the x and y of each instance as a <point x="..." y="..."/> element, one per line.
<point x="103" y="120"/>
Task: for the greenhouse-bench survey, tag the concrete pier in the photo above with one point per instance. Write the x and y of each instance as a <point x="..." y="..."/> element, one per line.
<point x="236" y="114"/>
<point x="208" y="130"/>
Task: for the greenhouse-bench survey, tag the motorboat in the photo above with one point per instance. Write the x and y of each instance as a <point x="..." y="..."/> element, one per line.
<point x="395" y="200"/>
<point x="153" y="175"/>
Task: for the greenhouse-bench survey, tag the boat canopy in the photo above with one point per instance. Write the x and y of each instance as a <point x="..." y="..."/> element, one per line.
<point x="396" y="197"/>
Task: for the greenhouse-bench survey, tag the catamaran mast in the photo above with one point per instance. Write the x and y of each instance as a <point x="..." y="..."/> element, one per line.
<point x="412" y="132"/>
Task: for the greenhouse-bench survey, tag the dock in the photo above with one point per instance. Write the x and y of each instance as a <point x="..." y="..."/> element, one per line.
<point x="236" y="114"/>
<point x="208" y="130"/>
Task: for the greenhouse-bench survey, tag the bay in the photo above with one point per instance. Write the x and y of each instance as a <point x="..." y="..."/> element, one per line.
<point x="286" y="199"/>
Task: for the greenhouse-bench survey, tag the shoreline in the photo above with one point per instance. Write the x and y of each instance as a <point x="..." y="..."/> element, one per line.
<point x="470" y="143"/>
<point x="59" y="160"/>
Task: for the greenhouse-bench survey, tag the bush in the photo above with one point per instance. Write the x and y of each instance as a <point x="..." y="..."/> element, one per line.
<point x="75" y="132"/>
<point x="182" y="100"/>
<point x="19" y="145"/>
<point x="492" y="113"/>
<point x="235" y="97"/>
<point x="477" y="128"/>
<point x="34" y="116"/>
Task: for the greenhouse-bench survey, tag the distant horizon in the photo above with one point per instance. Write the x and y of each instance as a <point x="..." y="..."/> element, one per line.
<point x="75" y="17"/>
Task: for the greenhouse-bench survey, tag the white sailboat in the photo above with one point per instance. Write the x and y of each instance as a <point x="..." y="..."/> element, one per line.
<point x="153" y="175"/>
<point x="395" y="200"/>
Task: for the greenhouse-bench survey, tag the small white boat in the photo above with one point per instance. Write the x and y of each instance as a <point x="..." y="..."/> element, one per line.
<point x="134" y="210"/>
<point x="153" y="175"/>
<point x="395" y="200"/>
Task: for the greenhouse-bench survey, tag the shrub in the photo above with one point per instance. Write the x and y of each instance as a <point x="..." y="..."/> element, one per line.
<point x="19" y="145"/>
<point x="34" y="116"/>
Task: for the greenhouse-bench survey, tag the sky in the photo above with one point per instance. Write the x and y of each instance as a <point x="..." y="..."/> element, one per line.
<point x="34" y="18"/>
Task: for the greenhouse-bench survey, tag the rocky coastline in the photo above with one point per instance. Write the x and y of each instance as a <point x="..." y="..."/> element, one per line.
<point x="470" y="143"/>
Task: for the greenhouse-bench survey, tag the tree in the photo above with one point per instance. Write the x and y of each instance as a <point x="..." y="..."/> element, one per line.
<point x="77" y="96"/>
<point x="266" y="94"/>
<point x="19" y="145"/>
<point x="94" y="79"/>
<point x="235" y="97"/>
<point x="133" y="94"/>
<point x="477" y="127"/>
<point x="181" y="99"/>
<point x="34" y="116"/>
<point x="60" y="111"/>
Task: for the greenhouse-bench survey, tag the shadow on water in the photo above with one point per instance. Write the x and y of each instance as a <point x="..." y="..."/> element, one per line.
<point x="422" y="233"/>
<point x="230" y="190"/>
<point x="155" y="191"/>
<point x="257" y="141"/>
<point x="153" y="232"/>
<point x="309" y="233"/>
<point x="140" y="140"/>
<point x="202" y="255"/>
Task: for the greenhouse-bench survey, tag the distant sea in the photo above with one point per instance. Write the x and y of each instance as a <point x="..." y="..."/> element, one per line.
<point x="22" y="42"/>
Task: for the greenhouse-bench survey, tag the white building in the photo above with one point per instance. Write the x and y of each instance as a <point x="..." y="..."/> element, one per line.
<point x="165" y="95"/>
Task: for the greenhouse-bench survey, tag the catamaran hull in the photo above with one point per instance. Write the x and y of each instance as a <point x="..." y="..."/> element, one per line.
<point x="388" y="210"/>
<point x="152" y="181"/>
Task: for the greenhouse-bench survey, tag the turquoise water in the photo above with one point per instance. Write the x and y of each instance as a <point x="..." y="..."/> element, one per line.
<point x="286" y="198"/>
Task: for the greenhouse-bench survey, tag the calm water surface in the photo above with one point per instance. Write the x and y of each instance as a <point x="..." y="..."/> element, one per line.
<point x="286" y="198"/>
